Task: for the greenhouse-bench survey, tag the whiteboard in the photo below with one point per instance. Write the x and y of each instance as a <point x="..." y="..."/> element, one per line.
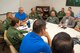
<point x="9" y="6"/>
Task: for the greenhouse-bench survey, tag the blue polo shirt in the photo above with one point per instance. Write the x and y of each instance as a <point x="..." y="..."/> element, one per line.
<point x="33" y="43"/>
<point x="21" y="16"/>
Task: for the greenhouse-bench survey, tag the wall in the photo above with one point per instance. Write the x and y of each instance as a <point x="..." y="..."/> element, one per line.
<point x="9" y="6"/>
<point x="28" y="4"/>
<point x="58" y="4"/>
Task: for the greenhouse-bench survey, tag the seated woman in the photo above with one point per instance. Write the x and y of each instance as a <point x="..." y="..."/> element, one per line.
<point x="15" y="36"/>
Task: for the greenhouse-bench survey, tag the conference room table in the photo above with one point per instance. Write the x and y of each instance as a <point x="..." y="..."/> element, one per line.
<point x="53" y="29"/>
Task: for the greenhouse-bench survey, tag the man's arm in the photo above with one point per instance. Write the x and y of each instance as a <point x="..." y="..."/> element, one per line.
<point x="22" y="31"/>
<point x="57" y="20"/>
<point x="77" y="29"/>
<point x="26" y="19"/>
<point x="62" y="22"/>
<point x="16" y="15"/>
<point x="72" y="25"/>
<point x="48" y="38"/>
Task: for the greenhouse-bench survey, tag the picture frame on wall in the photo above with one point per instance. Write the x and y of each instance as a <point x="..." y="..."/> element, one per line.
<point x="72" y="2"/>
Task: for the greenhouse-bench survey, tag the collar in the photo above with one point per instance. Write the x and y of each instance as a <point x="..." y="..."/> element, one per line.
<point x="7" y="18"/>
<point x="36" y="36"/>
<point x="21" y="14"/>
<point x="53" y="16"/>
<point x="13" y="27"/>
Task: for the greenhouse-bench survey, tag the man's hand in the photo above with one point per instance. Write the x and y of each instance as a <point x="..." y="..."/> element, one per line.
<point x="22" y="22"/>
<point x="77" y="29"/>
<point x="26" y="19"/>
<point x="48" y="38"/>
<point x="46" y="34"/>
<point x="61" y="25"/>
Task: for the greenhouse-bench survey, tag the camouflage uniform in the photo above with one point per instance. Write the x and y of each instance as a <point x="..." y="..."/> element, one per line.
<point x="15" y="36"/>
<point x="54" y="20"/>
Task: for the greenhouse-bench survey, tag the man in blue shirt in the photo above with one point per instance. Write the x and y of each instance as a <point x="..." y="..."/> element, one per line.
<point x="33" y="43"/>
<point x="21" y="15"/>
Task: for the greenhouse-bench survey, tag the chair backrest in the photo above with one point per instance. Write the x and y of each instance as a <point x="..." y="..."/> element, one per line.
<point x="6" y="39"/>
<point x="0" y="24"/>
<point x="12" y="49"/>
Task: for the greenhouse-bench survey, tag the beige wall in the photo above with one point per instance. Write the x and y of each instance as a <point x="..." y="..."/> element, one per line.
<point x="58" y="4"/>
<point x="28" y="4"/>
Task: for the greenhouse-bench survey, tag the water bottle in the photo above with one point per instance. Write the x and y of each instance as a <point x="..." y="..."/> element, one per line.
<point x="28" y="24"/>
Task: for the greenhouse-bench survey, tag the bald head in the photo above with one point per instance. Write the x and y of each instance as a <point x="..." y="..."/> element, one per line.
<point x="68" y="13"/>
<point x="21" y="10"/>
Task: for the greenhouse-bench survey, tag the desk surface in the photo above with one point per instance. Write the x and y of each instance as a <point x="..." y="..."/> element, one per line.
<point x="53" y="29"/>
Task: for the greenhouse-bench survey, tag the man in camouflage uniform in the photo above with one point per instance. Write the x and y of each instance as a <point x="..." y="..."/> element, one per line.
<point x="15" y="36"/>
<point x="35" y="14"/>
<point x="53" y="9"/>
<point x="7" y="21"/>
<point x="53" y="18"/>
<point x="61" y="14"/>
<point x="72" y="13"/>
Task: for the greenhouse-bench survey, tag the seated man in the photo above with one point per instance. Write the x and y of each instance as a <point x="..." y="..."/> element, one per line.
<point x="53" y="9"/>
<point x="62" y="43"/>
<point x="72" y="13"/>
<point x="67" y="21"/>
<point x="61" y="14"/>
<point x="78" y="26"/>
<point x="7" y="21"/>
<point x="15" y="36"/>
<point x="21" y="15"/>
<point x="53" y="18"/>
<point x="34" y="14"/>
<point x="33" y="43"/>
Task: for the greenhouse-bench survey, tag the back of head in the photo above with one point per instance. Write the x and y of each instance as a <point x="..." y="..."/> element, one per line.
<point x="38" y="25"/>
<point x="62" y="43"/>
<point x="14" y="21"/>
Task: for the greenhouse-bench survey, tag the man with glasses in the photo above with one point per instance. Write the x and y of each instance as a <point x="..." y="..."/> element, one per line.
<point x="21" y="15"/>
<point x="67" y="21"/>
